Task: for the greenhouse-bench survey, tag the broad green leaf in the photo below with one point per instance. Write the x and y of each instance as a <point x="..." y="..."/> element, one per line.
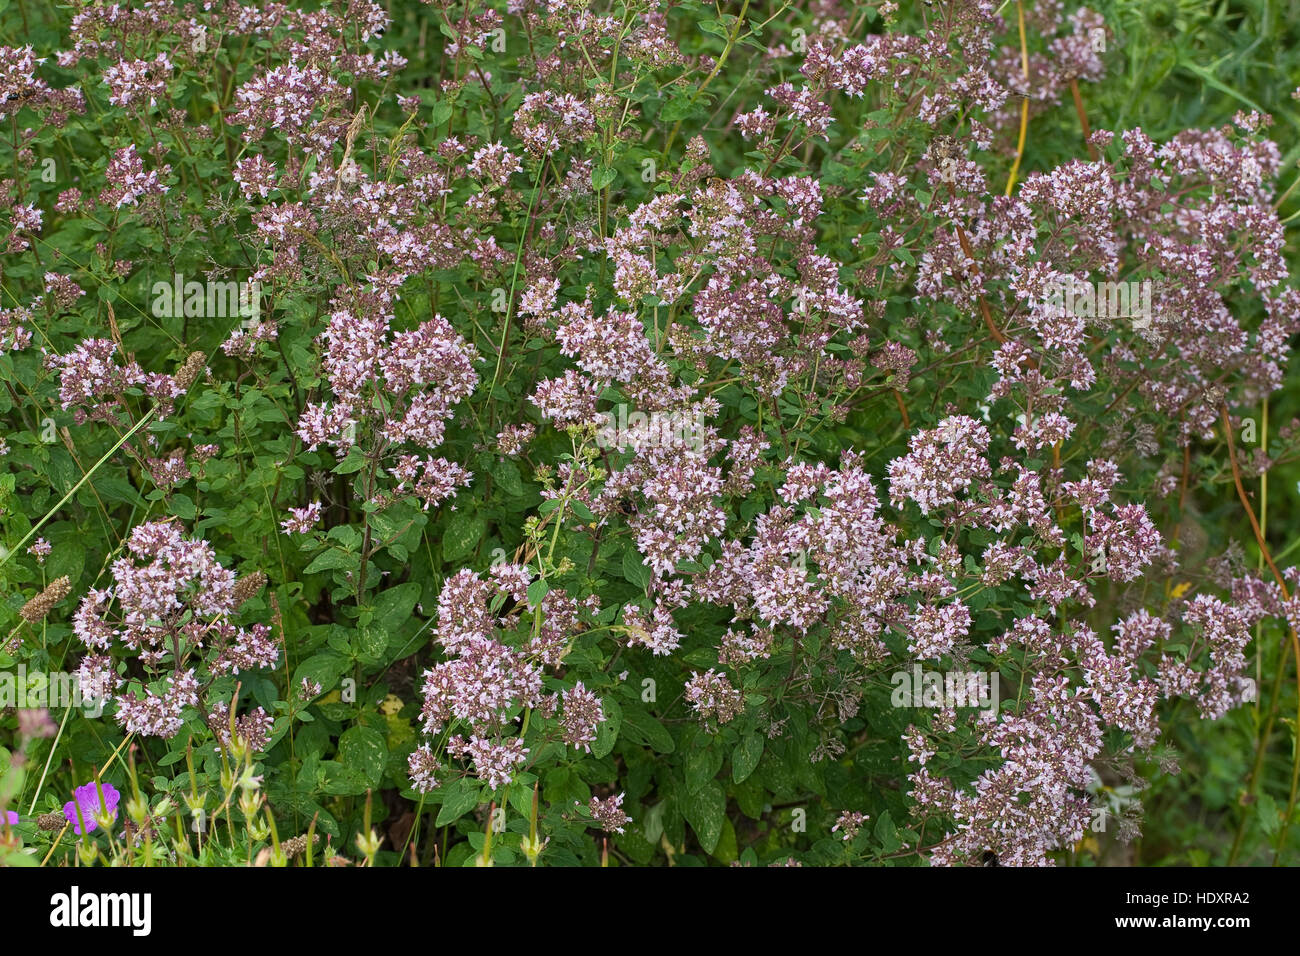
<point x="745" y="758"/>
<point x="704" y="809"/>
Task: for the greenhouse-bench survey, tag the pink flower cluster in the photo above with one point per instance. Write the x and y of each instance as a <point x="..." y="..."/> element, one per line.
<point x="486" y="683"/>
<point x="174" y="600"/>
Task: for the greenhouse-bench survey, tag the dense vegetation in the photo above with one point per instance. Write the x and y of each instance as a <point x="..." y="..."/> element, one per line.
<point x="635" y="433"/>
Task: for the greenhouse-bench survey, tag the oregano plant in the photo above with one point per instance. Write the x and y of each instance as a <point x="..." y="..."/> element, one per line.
<point x="617" y="432"/>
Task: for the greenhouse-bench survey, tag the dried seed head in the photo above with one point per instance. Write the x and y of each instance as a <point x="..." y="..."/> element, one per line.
<point x="945" y="149"/>
<point x="39" y="606"/>
<point x="190" y="371"/>
<point x="297" y="845"/>
<point x="248" y="587"/>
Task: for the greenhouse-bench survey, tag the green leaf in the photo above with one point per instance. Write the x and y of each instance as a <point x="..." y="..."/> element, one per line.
<point x="680" y="107"/>
<point x="183" y="507"/>
<point x="1270" y="821"/>
<point x="607" y="730"/>
<point x="113" y="489"/>
<point x="726" y="851"/>
<point x="654" y="822"/>
<point x="602" y="176"/>
<point x="333" y="559"/>
<point x="506" y="473"/>
<point x="363" y="752"/>
<point x="634" y="569"/>
<point x="354" y="462"/>
<point x="705" y="808"/>
<point x="393" y="607"/>
<point x="324" y="668"/>
<point x="700" y="767"/>
<point x="459" y="798"/>
<point x="463" y="534"/>
<point x="370" y="643"/>
<point x="745" y="758"/>
<point x="887" y="833"/>
<point x="714" y="27"/>
<point x="641" y="728"/>
<point x="536" y="591"/>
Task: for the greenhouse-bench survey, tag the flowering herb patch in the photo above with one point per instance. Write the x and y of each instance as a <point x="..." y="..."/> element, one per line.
<point x="635" y="433"/>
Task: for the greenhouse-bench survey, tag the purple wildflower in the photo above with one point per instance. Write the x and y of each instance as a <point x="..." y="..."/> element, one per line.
<point x="86" y="806"/>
